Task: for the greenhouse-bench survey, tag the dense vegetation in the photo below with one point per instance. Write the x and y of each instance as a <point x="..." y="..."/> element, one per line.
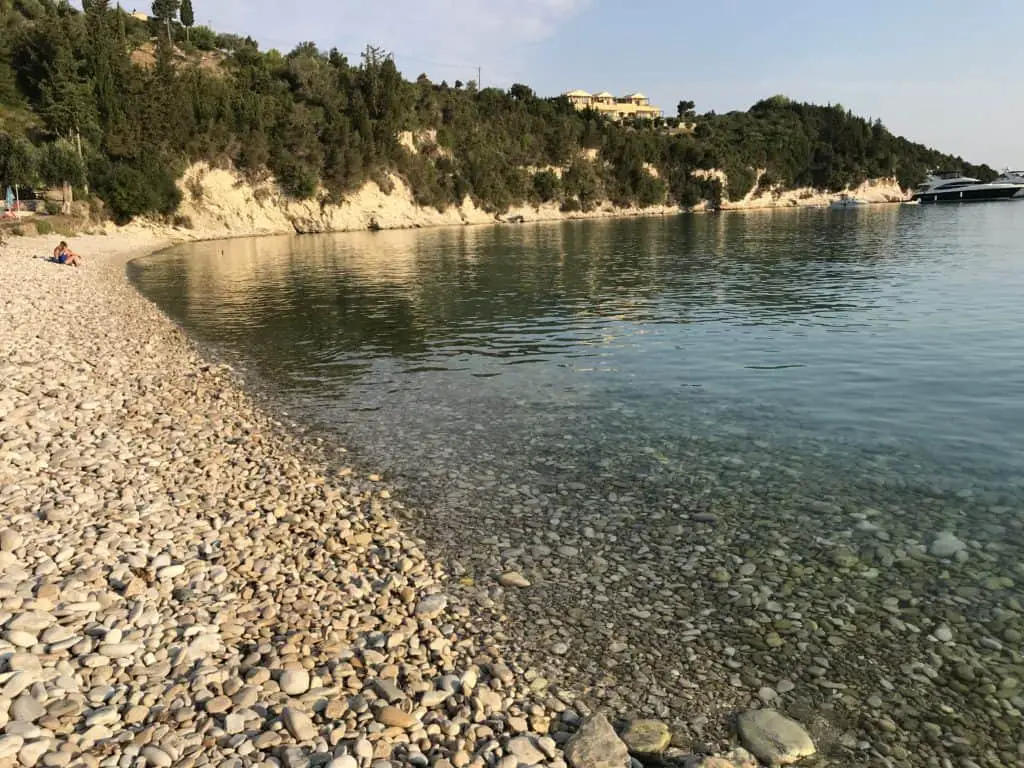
<point x="99" y="97"/>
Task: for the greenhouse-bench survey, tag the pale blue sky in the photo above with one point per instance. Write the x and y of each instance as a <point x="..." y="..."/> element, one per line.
<point x="945" y="72"/>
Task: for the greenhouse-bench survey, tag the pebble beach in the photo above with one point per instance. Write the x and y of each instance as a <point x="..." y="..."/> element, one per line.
<point x="184" y="583"/>
<point x="187" y="581"/>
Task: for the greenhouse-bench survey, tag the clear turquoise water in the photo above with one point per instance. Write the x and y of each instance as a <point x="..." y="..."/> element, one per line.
<point x="891" y="335"/>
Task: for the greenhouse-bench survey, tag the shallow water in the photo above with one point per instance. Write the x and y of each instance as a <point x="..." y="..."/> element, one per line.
<point x="823" y="383"/>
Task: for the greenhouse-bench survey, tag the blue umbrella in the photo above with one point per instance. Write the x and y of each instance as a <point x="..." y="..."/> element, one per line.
<point x="10" y="199"/>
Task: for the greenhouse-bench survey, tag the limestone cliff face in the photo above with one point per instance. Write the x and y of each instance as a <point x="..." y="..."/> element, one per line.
<point x="221" y="203"/>
<point x="871" y="191"/>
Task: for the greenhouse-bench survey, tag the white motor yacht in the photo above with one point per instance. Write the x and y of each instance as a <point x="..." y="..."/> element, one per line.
<point x="956" y="188"/>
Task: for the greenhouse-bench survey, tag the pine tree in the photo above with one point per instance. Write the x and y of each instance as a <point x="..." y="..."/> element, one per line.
<point x="166" y="11"/>
<point x="188" y="17"/>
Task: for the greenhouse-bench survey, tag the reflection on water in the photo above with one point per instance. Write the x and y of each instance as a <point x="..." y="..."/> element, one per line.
<point x="889" y="327"/>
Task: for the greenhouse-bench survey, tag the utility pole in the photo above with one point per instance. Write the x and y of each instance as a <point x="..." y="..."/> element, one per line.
<point x="479" y="79"/>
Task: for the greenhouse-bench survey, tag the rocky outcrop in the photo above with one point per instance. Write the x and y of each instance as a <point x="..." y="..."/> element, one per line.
<point x="219" y="202"/>
<point x="774" y="196"/>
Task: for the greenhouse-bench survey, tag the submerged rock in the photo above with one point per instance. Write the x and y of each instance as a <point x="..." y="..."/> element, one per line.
<point x="946" y="545"/>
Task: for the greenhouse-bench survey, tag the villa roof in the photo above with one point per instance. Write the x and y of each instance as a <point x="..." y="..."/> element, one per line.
<point x="636" y="95"/>
<point x="604" y="95"/>
<point x="577" y="92"/>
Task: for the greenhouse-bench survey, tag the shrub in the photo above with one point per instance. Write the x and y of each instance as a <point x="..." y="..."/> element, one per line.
<point x="44" y="228"/>
<point x="741" y="180"/>
<point x="182" y="222"/>
<point x="297" y="179"/>
<point x="132" y="191"/>
<point x="204" y="38"/>
<point x="546" y="186"/>
<point x="195" y="187"/>
<point x="650" y="191"/>
<point x="53" y="207"/>
<point x="571" y="205"/>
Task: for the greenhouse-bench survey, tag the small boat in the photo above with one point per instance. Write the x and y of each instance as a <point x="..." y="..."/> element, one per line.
<point x="845" y="201"/>
<point x="956" y="188"/>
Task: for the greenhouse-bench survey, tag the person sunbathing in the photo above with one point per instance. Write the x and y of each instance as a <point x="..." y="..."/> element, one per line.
<point x="62" y="254"/>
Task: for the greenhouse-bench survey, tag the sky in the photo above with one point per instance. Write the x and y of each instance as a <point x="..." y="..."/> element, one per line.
<point x="942" y="72"/>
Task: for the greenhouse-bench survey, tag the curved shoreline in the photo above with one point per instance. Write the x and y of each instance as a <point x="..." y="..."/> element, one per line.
<point x="185" y="583"/>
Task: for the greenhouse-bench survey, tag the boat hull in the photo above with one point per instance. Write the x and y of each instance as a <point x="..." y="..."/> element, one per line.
<point x="970" y="195"/>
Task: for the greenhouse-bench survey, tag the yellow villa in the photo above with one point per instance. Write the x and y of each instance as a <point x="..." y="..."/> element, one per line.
<point x="615" y="107"/>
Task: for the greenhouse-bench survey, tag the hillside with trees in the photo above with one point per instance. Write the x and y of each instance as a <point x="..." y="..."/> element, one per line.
<point x="80" y="103"/>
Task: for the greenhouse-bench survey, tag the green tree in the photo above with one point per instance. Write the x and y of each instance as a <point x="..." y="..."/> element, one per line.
<point x="685" y="110"/>
<point x="18" y="162"/>
<point x="67" y="104"/>
<point x="166" y="11"/>
<point x="188" y="17"/>
<point x="59" y="163"/>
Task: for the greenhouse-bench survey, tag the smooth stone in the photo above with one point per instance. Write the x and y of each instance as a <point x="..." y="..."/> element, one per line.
<point x="33" y="621"/>
<point x="773" y="738"/>
<point x="943" y="634"/>
<point x="513" y="579"/>
<point x="596" y="745"/>
<point x="27" y="709"/>
<point x="646" y="738"/>
<point x="118" y="650"/>
<point x="432" y="699"/>
<point x="946" y="545"/>
<point x="386" y="690"/>
<point x="170" y="571"/>
<point x="396" y="718"/>
<point x="345" y="761"/>
<point x="21" y="638"/>
<point x="299" y="724"/>
<point x="431" y="607"/>
<point x="10" y="746"/>
<point x="156" y="757"/>
<point x="10" y="540"/>
<point x="294" y="682"/>
<point x="218" y="705"/>
<point x="30" y="754"/>
<point x="525" y="751"/>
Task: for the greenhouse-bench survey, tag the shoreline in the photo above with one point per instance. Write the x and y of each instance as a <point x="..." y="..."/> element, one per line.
<point x="172" y="553"/>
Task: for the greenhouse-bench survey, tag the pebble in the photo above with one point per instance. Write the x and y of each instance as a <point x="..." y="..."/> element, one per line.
<point x="431" y="607"/>
<point x="397" y="718"/>
<point x="294" y="682"/>
<point x="513" y="579"/>
<point x="156" y="757"/>
<point x="10" y="746"/>
<point x="774" y="738"/>
<point x="596" y="745"/>
<point x="646" y="738"/>
<point x="946" y="545"/>
<point x="299" y="724"/>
